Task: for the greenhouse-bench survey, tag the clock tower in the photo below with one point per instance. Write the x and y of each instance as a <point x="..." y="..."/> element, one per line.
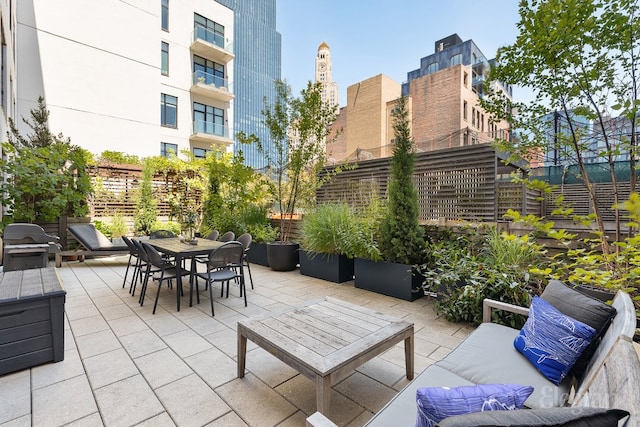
<point x="323" y="75"/>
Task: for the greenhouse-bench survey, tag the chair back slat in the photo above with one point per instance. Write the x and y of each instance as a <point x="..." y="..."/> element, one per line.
<point x="155" y="257"/>
<point x="228" y="236"/>
<point x="142" y="252"/>
<point x="246" y="240"/>
<point x="213" y="235"/>
<point x="228" y="255"/>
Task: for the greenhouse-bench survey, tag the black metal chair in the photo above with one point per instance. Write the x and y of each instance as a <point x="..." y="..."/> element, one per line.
<point x="229" y="236"/>
<point x="133" y="255"/>
<point x="224" y="264"/>
<point x="213" y="235"/>
<point x="246" y="240"/>
<point x="158" y="268"/>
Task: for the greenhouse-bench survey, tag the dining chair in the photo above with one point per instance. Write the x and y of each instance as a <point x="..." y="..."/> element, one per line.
<point x="213" y="235"/>
<point x="161" y="234"/>
<point x="246" y="240"/>
<point x="228" y="236"/>
<point x="133" y="256"/>
<point x="224" y="264"/>
<point x="143" y="266"/>
<point x="164" y="270"/>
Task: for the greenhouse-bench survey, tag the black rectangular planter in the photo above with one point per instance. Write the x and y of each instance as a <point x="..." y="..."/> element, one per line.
<point x="335" y="268"/>
<point x="258" y="254"/>
<point x="388" y="278"/>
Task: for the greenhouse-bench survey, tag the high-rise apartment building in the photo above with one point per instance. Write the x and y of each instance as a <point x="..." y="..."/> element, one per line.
<point x="258" y="50"/>
<point x="324" y="75"/>
<point x="143" y="78"/>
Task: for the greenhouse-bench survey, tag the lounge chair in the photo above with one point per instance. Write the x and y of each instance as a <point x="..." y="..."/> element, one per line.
<point x="94" y="243"/>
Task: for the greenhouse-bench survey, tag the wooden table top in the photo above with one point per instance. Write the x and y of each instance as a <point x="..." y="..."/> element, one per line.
<point x="324" y="335"/>
<point x="20" y="284"/>
<point x="173" y="246"/>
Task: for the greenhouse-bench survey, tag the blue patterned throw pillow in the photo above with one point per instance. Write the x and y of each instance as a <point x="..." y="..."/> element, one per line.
<point x="552" y="341"/>
<point x="438" y="403"/>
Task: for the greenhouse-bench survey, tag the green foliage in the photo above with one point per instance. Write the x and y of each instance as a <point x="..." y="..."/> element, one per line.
<point x="173" y="226"/>
<point x="468" y="268"/>
<point x="116" y="227"/>
<point x="299" y="128"/>
<point x="232" y="195"/>
<point x="402" y="237"/>
<point x="323" y="228"/>
<point x="146" y="205"/>
<point x="45" y="173"/>
<point x="119" y="157"/>
<point x="362" y="238"/>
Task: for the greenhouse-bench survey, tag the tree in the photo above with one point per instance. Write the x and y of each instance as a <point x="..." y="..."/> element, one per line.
<point x="402" y="238"/>
<point x="299" y="128"/>
<point x="580" y="58"/>
<point x="146" y="211"/>
<point x="45" y="175"/>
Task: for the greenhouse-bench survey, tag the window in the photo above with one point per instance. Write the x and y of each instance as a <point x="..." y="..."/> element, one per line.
<point x="165" y="59"/>
<point x="169" y="111"/>
<point x="464" y="110"/>
<point x="473" y="116"/>
<point x="208" y="119"/>
<point x="167" y="149"/>
<point x="165" y="15"/>
<point x="211" y="72"/>
<point x="465" y="79"/>
<point x="209" y="30"/>
<point x="200" y="153"/>
<point x="432" y="68"/>
<point x="456" y="59"/>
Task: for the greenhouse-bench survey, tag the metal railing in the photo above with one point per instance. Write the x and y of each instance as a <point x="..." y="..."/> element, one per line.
<point x="210" y="128"/>
<point x="201" y="33"/>
<point x="211" y="80"/>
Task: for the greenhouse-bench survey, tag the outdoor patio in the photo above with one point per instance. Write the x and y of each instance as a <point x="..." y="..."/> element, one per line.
<point x="125" y="366"/>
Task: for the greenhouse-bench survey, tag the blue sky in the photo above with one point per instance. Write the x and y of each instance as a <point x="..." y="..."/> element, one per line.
<point x="371" y="37"/>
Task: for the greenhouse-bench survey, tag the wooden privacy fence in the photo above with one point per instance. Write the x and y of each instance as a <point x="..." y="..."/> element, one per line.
<point x="464" y="183"/>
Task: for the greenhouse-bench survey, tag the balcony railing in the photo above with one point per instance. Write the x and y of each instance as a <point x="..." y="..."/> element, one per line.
<point x="201" y="33"/>
<point x="200" y="77"/>
<point x="210" y="128"/>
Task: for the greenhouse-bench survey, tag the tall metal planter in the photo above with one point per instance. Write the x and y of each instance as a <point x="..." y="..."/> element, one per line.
<point x="388" y="278"/>
<point x="335" y="268"/>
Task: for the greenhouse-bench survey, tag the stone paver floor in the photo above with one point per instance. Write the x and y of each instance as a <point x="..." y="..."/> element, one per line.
<point x="125" y="366"/>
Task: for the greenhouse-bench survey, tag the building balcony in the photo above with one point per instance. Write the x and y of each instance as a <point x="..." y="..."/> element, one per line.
<point x="210" y="133"/>
<point x="209" y="45"/>
<point x="211" y="86"/>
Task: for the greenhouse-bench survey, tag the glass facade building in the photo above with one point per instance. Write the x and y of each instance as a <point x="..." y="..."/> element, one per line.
<point x="258" y="50"/>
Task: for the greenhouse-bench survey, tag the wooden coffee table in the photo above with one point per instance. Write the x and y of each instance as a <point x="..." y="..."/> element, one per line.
<point x="325" y="339"/>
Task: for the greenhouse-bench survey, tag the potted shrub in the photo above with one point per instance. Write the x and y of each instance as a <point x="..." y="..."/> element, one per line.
<point x="298" y="128"/>
<point x="401" y="238"/>
<point x="322" y="254"/>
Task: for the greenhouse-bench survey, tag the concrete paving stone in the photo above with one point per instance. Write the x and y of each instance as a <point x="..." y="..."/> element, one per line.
<point x="440" y="353"/>
<point x="24" y="421"/>
<point x="365" y="391"/>
<point x="81" y="311"/>
<point x="96" y="343"/>
<point x="15" y="395"/>
<point x="162" y="367"/>
<point x="213" y="366"/>
<point x="186" y="343"/>
<point x="91" y="420"/>
<point x="204" y="324"/>
<point x="424" y="347"/>
<point x="383" y="371"/>
<point x="165" y="325"/>
<point x="116" y="311"/>
<point x="106" y="368"/>
<point x="51" y="404"/>
<point x="106" y="301"/>
<point x="232" y="321"/>
<point x="268" y="368"/>
<point x="88" y="325"/>
<point x="242" y="394"/>
<point x="162" y="420"/>
<point x="230" y="419"/>
<point x="127" y="402"/>
<point x="296" y="420"/>
<point x="361" y="420"/>
<point x="225" y="340"/>
<point x="191" y="402"/>
<point x="289" y="299"/>
<point x="301" y="391"/>
<point x="50" y="373"/>
<point x="127" y="325"/>
<point x="141" y="343"/>
<point x="78" y="300"/>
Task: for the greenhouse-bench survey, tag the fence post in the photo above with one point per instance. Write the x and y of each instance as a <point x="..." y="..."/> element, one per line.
<point x="62" y="230"/>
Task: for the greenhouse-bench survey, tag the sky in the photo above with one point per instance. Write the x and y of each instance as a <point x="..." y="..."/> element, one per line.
<point x="371" y="37"/>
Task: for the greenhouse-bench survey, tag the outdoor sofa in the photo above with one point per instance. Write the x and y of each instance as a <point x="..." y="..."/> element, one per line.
<point x="611" y="378"/>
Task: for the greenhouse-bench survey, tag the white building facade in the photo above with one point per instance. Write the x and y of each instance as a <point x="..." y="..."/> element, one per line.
<point x="142" y="77"/>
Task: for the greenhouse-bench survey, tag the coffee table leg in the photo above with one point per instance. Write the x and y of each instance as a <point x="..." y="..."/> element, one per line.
<point x="408" y="355"/>
<point x="242" y="353"/>
<point x="323" y="394"/>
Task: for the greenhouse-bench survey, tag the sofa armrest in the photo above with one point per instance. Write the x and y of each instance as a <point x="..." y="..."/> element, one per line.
<point x="489" y="304"/>
<point x="318" y="420"/>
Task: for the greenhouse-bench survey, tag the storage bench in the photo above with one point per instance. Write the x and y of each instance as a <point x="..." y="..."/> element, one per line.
<point x="31" y="318"/>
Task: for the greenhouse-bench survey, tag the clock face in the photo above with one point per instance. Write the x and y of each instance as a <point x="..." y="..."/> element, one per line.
<point x="323" y="66"/>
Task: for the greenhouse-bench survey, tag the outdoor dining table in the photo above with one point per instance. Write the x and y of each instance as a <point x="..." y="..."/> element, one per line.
<point x="182" y="250"/>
